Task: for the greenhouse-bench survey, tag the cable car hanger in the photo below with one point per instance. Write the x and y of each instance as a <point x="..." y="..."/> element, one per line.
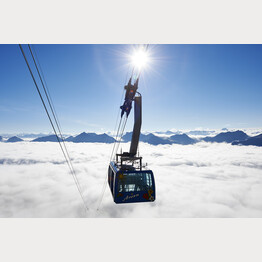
<point x="127" y="179"/>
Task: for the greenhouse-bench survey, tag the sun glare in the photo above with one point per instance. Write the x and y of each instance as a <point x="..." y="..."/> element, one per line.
<point x="140" y="59"/>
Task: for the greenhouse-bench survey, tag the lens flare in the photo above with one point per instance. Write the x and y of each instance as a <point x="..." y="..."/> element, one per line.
<point x="140" y="59"/>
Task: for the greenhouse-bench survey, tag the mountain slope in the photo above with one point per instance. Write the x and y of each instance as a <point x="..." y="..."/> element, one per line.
<point x="127" y="136"/>
<point x="182" y="139"/>
<point x="149" y="138"/>
<point x="81" y="138"/>
<point x="153" y="140"/>
<point x="252" y="141"/>
<point x="14" y="139"/>
<point x="51" y="138"/>
<point x="92" y="138"/>
<point x="228" y="137"/>
<point x="69" y="139"/>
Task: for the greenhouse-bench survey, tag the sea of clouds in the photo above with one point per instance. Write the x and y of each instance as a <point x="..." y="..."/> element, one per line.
<point x="201" y="180"/>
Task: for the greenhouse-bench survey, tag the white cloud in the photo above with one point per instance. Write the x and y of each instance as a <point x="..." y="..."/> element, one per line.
<point x="201" y="180"/>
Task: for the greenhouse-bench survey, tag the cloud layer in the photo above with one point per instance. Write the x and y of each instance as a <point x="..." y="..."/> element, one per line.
<point x="201" y="180"/>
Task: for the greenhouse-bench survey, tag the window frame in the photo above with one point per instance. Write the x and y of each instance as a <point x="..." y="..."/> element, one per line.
<point x="147" y="180"/>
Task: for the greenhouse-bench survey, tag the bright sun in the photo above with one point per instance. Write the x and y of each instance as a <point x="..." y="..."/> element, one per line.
<point x="140" y="59"/>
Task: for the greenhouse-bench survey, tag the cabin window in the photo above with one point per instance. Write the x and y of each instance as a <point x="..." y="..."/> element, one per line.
<point x="132" y="182"/>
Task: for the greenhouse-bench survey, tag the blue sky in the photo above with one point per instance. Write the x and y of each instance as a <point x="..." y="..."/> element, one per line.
<point x="186" y="87"/>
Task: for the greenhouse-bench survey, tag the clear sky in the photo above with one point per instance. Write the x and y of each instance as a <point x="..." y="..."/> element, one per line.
<point x="186" y="87"/>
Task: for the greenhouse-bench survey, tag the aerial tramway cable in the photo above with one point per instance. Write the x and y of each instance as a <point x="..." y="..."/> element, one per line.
<point x="53" y="112"/>
<point x="64" y="150"/>
<point x="47" y="95"/>
<point x="46" y="89"/>
<point x="113" y="150"/>
<point x="122" y="132"/>
<point x="51" y="106"/>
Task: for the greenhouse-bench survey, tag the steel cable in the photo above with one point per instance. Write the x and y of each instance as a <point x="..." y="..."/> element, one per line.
<point x="51" y="122"/>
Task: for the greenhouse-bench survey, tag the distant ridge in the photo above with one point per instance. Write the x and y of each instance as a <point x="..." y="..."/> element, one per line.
<point x="149" y="138"/>
<point x="152" y="139"/>
<point x="50" y="138"/>
<point x="228" y="137"/>
<point x="81" y="138"/>
<point x="69" y="139"/>
<point x="252" y="141"/>
<point x="92" y="138"/>
<point x="14" y="139"/>
<point x="127" y="137"/>
<point x="235" y="138"/>
<point x="182" y="139"/>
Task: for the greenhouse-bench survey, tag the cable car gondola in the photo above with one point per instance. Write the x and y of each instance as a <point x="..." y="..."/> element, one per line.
<point x="128" y="181"/>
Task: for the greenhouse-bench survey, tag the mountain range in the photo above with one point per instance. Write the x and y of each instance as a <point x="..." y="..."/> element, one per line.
<point x="14" y="139"/>
<point x="227" y="137"/>
<point x="81" y="138"/>
<point x="235" y="138"/>
<point x="251" y="141"/>
<point x="91" y="138"/>
<point x="149" y="138"/>
<point x="183" y="139"/>
<point x="50" y="138"/>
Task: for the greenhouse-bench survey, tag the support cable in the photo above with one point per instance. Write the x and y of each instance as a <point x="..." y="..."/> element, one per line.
<point x="54" y="116"/>
<point x="120" y="137"/>
<point x="52" y="108"/>
<point x="119" y="113"/>
<point x="112" y="153"/>
<point x="51" y="122"/>
<point x="46" y="87"/>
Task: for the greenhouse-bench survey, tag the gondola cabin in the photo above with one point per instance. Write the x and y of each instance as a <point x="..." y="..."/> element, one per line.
<point x="129" y="185"/>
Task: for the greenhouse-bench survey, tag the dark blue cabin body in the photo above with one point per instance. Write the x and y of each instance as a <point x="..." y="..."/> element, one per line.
<point x="129" y="185"/>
